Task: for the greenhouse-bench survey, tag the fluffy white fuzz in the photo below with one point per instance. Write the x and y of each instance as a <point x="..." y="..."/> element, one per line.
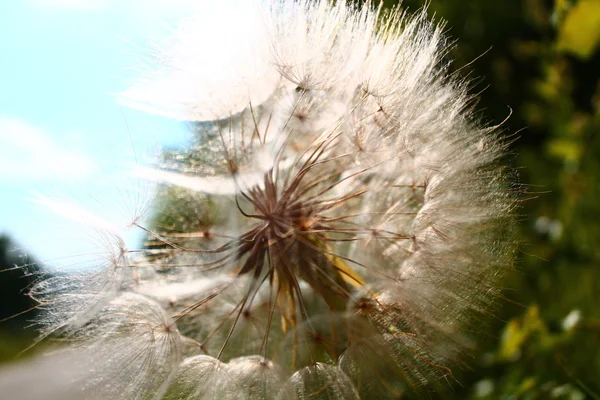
<point x="129" y="350"/>
<point x="337" y="226"/>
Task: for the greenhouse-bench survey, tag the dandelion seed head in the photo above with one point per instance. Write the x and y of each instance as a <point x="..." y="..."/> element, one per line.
<point x="337" y="225"/>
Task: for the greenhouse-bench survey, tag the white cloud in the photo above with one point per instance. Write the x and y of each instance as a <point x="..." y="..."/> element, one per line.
<point x="28" y="153"/>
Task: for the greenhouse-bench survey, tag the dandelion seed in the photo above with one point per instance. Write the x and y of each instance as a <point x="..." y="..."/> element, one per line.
<point x="338" y="224"/>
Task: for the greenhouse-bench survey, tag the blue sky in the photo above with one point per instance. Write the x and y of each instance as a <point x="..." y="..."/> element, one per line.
<point x="62" y="132"/>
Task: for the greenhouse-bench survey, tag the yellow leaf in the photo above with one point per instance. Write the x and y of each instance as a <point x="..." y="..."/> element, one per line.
<point x="517" y="331"/>
<point x="580" y="32"/>
<point x="564" y="149"/>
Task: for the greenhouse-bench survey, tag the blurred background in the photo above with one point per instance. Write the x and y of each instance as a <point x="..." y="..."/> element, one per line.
<point x="537" y="61"/>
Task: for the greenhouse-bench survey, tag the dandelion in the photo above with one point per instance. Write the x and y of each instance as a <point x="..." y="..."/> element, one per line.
<point x="339" y="223"/>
